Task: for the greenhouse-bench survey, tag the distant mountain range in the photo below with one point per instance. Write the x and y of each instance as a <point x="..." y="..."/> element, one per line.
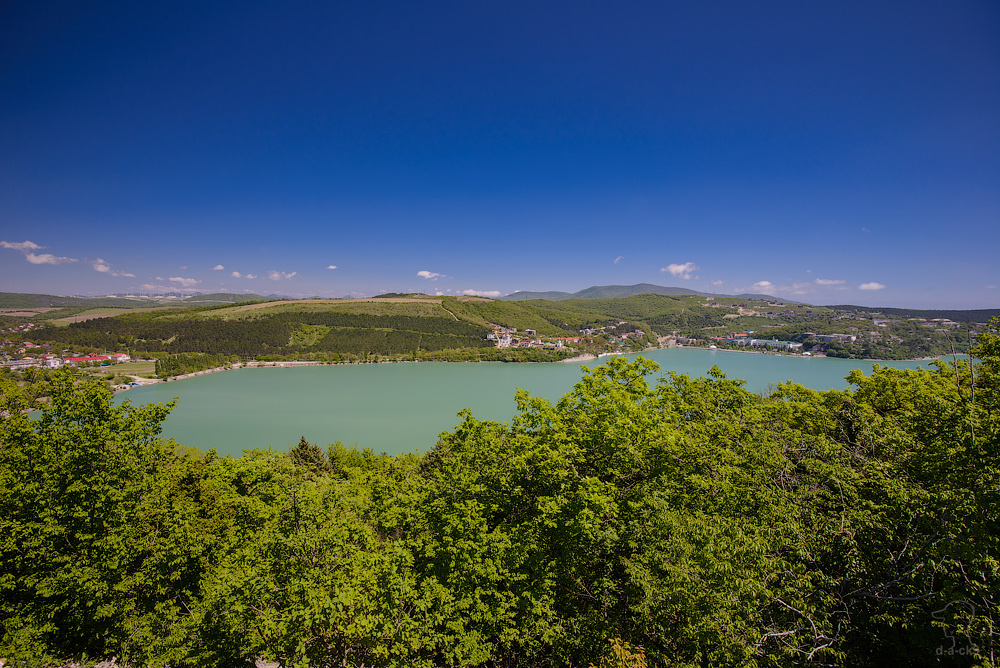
<point x="612" y="291"/>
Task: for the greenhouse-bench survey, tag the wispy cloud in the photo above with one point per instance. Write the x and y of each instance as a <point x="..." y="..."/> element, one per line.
<point x="185" y="282"/>
<point x="332" y="266"/>
<point x="760" y="285"/>
<point x="47" y="258"/>
<point x="717" y="283"/>
<point x="280" y="275"/>
<point x="35" y="258"/>
<point x="830" y="281"/>
<point x="20" y="245"/>
<point x="429" y="275"/>
<point x="105" y="268"/>
<point x="480" y="293"/>
<point x="619" y="259"/>
<point x="218" y="267"/>
<point x="871" y="286"/>
<point x="251" y="276"/>
<point x="683" y="271"/>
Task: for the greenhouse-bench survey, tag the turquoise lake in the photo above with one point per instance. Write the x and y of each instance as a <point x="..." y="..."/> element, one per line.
<point x="398" y="408"/>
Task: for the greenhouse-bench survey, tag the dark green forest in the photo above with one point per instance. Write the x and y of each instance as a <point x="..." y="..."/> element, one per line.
<point x="269" y="335"/>
<point x="644" y="519"/>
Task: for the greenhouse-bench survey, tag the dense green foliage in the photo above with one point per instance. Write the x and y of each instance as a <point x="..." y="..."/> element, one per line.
<point x="168" y="366"/>
<point x="271" y="334"/>
<point x="507" y="314"/>
<point x="685" y="523"/>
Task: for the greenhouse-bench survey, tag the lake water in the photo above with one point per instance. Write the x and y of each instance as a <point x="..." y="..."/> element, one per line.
<point x="399" y="408"/>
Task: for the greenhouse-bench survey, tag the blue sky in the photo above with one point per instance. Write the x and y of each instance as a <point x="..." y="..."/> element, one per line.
<point x="827" y="152"/>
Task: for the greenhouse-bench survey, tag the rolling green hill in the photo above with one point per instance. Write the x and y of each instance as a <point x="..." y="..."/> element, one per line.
<point x="417" y="326"/>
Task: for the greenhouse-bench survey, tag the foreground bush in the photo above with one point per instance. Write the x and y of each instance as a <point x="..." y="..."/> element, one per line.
<point x="688" y="522"/>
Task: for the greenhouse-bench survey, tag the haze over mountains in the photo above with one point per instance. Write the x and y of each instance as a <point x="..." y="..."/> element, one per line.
<point x="612" y="291"/>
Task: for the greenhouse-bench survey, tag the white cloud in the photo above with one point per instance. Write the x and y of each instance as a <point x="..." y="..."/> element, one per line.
<point x="105" y="268"/>
<point x="185" y="282"/>
<point x="332" y="266"/>
<point x="830" y="281"/>
<point x="236" y="274"/>
<point x="33" y="258"/>
<point x="280" y="275"/>
<point x="991" y="286"/>
<point x="20" y="245"/>
<point x="762" y="284"/>
<point x="480" y="293"/>
<point x="797" y="288"/>
<point x="429" y="275"/>
<point x="871" y="286"/>
<point x="717" y="283"/>
<point x="47" y="258"/>
<point x="619" y="259"/>
<point x="682" y="270"/>
<point x="251" y="276"/>
<point x="218" y="267"/>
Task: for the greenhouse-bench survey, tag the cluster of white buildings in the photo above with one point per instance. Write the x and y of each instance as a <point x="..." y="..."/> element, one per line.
<point x="757" y="343"/>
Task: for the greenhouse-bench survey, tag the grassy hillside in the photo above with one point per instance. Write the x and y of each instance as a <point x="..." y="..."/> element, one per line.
<point x="19" y="300"/>
<point x="417" y="326"/>
<point x="388" y="306"/>
<point x="526" y="295"/>
<point x="507" y="314"/>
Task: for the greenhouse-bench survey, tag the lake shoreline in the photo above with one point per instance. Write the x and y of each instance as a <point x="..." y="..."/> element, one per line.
<point x="585" y="357"/>
<point x="405" y="407"/>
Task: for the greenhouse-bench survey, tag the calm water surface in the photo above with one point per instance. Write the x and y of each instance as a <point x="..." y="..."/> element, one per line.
<point x="399" y="408"/>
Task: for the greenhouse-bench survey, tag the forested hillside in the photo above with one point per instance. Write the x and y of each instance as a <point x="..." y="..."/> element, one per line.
<point x="686" y="522"/>
<point x="422" y="327"/>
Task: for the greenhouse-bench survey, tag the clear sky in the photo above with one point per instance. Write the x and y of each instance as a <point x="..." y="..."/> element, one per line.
<point x="837" y="152"/>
